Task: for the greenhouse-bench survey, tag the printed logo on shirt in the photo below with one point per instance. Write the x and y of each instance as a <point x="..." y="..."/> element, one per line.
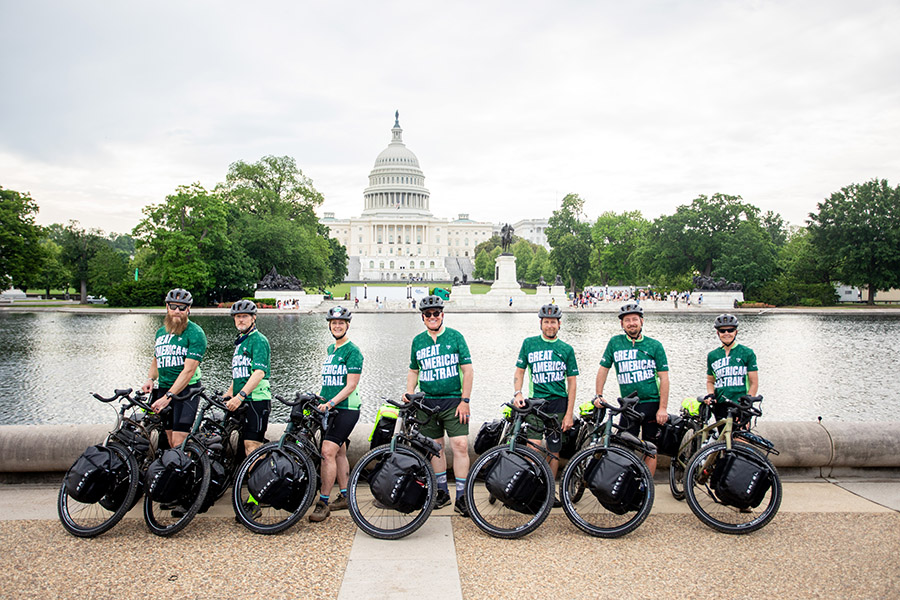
<point x="630" y="369"/>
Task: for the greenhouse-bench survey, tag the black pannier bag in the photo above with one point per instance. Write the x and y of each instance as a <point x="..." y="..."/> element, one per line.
<point x="134" y="440"/>
<point x="488" y="436"/>
<point x="398" y="483"/>
<point x="278" y="481"/>
<point x="569" y="438"/>
<point x="218" y="480"/>
<point x="169" y="476"/>
<point x="382" y="432"/>
<point x="613" y="480"/>
<point x="93" y="475"/>
<point x="513" y="481"/>
<point x="740" y="481"/>
<point x="669" y="437"/>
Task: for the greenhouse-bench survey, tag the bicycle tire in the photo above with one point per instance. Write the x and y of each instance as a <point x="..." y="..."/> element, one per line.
<point x="90" y="520"/>
<point x="727" y="519"/>
<point x="679" y="463"/>
<point x="161" y="521"/>
<point x="270" y="520"/>
<point x="495" y="518"/>
<point x="587" y="513"/>
<point x="376" y="520"/>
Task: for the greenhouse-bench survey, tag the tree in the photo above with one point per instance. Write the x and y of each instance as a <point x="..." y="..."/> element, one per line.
<point x="53" y="273"/>
<point x="748" y="257"/>
<point x="106" y="269"/>
<point x="523" y="253"/>
<point x="616" y="237"/>
<point x="337" y="262"/>
<point x="21" y="256"/>
<point x="273" y="186"/>
<point x="483" y="266"/>
<point x="185" y="234"/>
<point x="858" y="231"/>
<point x="570" y="240"/>
<point x="692" y="238"/>
<point x="78" y="247"/>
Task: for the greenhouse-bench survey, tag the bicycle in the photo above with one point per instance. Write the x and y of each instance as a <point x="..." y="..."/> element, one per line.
<point x="178" y="481"/>
<point x="695" y="415"/>
<point x="621" y="486"/>
<point x="293" y="461"/>
<point x="224" y="443"/>
<point x="132" y="443"/>
<point x="727" y="482"/>
<point x="393" y="488"/>
<point x="510" y="488"/>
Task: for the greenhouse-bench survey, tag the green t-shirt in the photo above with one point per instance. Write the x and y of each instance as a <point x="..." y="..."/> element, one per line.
<point x="438" y="363"/>
<point x="731" y="371"/>
<point x="637" y="365"/>
<point x="251" y="354"/>
<point x="171" y="350"/>
<point x="340" y="361"/>
<point x="547" y="364"/>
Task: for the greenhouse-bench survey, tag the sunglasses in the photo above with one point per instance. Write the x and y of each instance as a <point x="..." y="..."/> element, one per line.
<point x="428" y="314"/>
<point x="178" y="307"/>
<point x="727" y="330"/>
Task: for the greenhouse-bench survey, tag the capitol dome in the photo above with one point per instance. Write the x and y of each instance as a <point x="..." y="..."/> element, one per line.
<point x="396" y="182"/>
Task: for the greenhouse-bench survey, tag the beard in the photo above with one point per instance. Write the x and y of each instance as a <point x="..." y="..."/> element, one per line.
<point x="177" y="324"/>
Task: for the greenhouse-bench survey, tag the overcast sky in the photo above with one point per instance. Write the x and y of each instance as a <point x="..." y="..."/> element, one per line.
<point x="107" y="107"/>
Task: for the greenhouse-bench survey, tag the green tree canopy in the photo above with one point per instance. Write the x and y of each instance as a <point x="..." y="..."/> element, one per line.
<point x="858" y="231"/>
<point x="78" y="248"/>
<point x="748" y="256"/>
<point x="570" y="239"/>
<point x="616" y="237"/>
<point x="21" y="254"/>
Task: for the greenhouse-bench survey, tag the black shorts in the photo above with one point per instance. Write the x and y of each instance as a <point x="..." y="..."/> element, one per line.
<point x="341" y="425"/>
<point x="648" y="426"/>
<point x="256" y="420"/>
<point x="181" y="417"/>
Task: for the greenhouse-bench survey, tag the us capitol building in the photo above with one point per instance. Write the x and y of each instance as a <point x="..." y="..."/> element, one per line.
<point x="397" y="237"/>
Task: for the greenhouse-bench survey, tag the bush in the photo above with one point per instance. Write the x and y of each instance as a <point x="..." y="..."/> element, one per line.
<point x="258" y="301"/>
<point x="139" y="293"/>
<point x="784" y="291"/>
<point x="810" y="302"/>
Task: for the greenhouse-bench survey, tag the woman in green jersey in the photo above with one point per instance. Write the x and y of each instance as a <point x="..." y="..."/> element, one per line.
<point x="731" y="370"/>
<point x="340" y="377"/>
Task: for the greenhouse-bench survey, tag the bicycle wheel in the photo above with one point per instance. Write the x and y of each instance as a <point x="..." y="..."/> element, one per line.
<point x="263" y="518"/>
<point x="680" y="461"/>
<point x="373" y="517"/>
<point x="89" y="520"/>
<point x="168" y="519"/>
<point x="587" y="512"/>
<point x="499" y="519"/>
<point x="703" y="501"/>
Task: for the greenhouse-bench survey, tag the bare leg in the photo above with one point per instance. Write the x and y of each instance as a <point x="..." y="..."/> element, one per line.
<point x="328" y="469"/>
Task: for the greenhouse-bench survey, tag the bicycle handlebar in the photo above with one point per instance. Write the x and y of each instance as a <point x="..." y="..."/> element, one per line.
<point x="300" y="398"/>
<point x="125" y="394"/>
<point x="626" y="405"/>
<point x="745" y="405"/>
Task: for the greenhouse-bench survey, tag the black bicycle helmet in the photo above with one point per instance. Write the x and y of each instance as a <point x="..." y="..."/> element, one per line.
<point x="339" y="313"/>
<point x="179" y="296"/>
<point x="550" y="311"/>
<point x="725" y="320"/>
<point x="243" y="307"/>
<point x="630" y="308"/>
<point x="431" y="302"/>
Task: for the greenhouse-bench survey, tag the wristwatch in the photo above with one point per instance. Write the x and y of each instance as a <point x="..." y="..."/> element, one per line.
<point x="170" y="395"/>
<point x="242" y="394"/>
<point x="466" y="400"/>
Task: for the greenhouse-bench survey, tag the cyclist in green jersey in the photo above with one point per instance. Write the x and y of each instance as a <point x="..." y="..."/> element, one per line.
<point x="340" y="378"/>
<point x="731" y="369"/>
<point x="552" y="370"/>
<point x="642" y="367"/>
<point x="180" y="346"/>
<point x="441" y="366"/>
<point x="250" y="375"/>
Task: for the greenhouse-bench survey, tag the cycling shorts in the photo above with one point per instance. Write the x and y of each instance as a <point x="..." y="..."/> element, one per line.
<point x="181" y="417"/>
<point x="342" y="423"/>
<point x="256" y="420"/>
<point x="554" y="438"/>
<point x="445" y="420"/>
<point x="647" y="425"/>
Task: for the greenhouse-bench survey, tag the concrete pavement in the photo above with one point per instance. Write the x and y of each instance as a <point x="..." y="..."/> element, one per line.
<point x="830" y="537"/>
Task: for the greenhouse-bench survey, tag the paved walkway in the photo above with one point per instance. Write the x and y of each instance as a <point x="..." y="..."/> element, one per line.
<point x="837" y="539"/>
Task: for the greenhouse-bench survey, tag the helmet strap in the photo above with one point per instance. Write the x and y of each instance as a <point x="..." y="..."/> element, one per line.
<point x="244" y="333"/>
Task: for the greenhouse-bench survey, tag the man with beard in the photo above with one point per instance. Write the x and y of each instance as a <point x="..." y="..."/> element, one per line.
<point x="340" y="378"/>
<point x="552" y="370"/>
<point x="180" y="346"/>
<point x="642" y="367"/>
<point x="440" y="364"/>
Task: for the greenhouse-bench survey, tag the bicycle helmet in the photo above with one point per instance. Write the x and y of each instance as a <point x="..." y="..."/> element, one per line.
<point x="725" y="320"/>
<point x="550" y="311"/>
<point x="339" y="313"/>
<point x="630" y="308"/>
<point x="431" y="302"/>
<point x="243" y="307"/>
<point x="179" y="296"/>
